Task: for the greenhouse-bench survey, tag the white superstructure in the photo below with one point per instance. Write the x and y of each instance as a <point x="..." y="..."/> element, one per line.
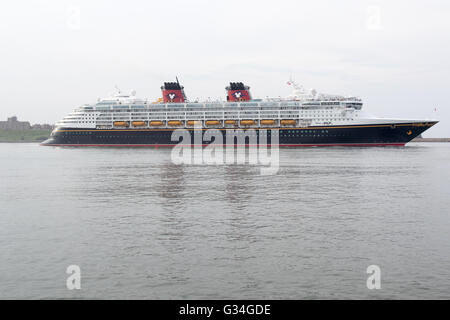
<point x="305" y="108"/>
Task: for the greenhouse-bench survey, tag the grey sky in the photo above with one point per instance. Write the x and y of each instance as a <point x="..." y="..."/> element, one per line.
<point x="56" y="55"/>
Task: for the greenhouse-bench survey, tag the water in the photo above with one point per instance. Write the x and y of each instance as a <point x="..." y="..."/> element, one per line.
<point x="141" y="227"/>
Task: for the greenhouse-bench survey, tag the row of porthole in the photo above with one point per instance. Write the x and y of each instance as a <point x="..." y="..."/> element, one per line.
<point x="160" y="136"/>
<point x="165" y="135"/>
<point x="239" y="132"/>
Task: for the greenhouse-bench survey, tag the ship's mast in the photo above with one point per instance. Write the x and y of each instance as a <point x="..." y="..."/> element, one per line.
<point x="298" y="92"/>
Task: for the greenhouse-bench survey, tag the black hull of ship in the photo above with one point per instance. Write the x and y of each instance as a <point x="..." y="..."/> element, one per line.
<point x="395" y="134"/>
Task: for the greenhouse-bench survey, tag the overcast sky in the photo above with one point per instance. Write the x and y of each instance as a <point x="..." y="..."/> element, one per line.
<point x="57" y="55"/>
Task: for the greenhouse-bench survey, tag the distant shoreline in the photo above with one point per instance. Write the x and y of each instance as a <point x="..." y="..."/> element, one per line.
<point x="23" y="136"/>
<point x="40" y="135"/>
<point x="430" y="140"/>
<point x="38" y="142"/>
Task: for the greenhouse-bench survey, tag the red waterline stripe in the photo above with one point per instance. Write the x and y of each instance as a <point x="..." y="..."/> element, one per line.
<point x="224" y="145"/>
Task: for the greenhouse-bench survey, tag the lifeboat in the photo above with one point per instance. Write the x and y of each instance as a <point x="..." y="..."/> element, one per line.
<point x="212" y="122"/>
<point x="288" y="122"/>
<point x="191" y="123"/>
<point x="267" y="122"/>
<point x="139" y="123"/>
<point x="156" y="123"/>
<point x="230" y="121"/>
<point x="174" y="123"/>
<point x="120" y="123"/>
<point x="247" y="122"/>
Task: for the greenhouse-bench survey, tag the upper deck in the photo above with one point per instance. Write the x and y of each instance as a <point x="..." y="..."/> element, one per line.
<point x="253" y="104"/>
<point x="122" y="110"/>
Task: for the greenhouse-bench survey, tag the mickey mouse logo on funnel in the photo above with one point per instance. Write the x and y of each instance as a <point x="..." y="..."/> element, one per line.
<point x="237" y="91"/>
<point x="173" y="92"/>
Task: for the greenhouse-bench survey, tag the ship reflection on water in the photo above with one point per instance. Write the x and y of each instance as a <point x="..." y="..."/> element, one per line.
<point x="170" y="184"/>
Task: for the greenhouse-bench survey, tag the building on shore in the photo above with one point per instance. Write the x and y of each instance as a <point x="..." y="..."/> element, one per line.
<point x="13" y="124"/>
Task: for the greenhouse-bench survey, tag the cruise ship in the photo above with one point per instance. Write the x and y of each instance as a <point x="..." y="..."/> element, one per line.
<point x="305" y="118"/>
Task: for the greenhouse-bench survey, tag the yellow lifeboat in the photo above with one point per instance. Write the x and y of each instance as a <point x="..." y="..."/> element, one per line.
<point x="230" y="121"/>
<point x="288" y="122"/>
<point x="212" y="122"/>
<point x="267" y="122"/>
<point x="247" y="122"/>
<point x="120" y="123"/>
<point x="139" y="123"/>
<point x="191" y="123"/>
<point x="156" y="123"/>
<point x="174" y="123"/>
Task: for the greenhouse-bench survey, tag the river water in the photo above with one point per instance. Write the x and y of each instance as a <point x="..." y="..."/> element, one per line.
<point x="140" y="226"/>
